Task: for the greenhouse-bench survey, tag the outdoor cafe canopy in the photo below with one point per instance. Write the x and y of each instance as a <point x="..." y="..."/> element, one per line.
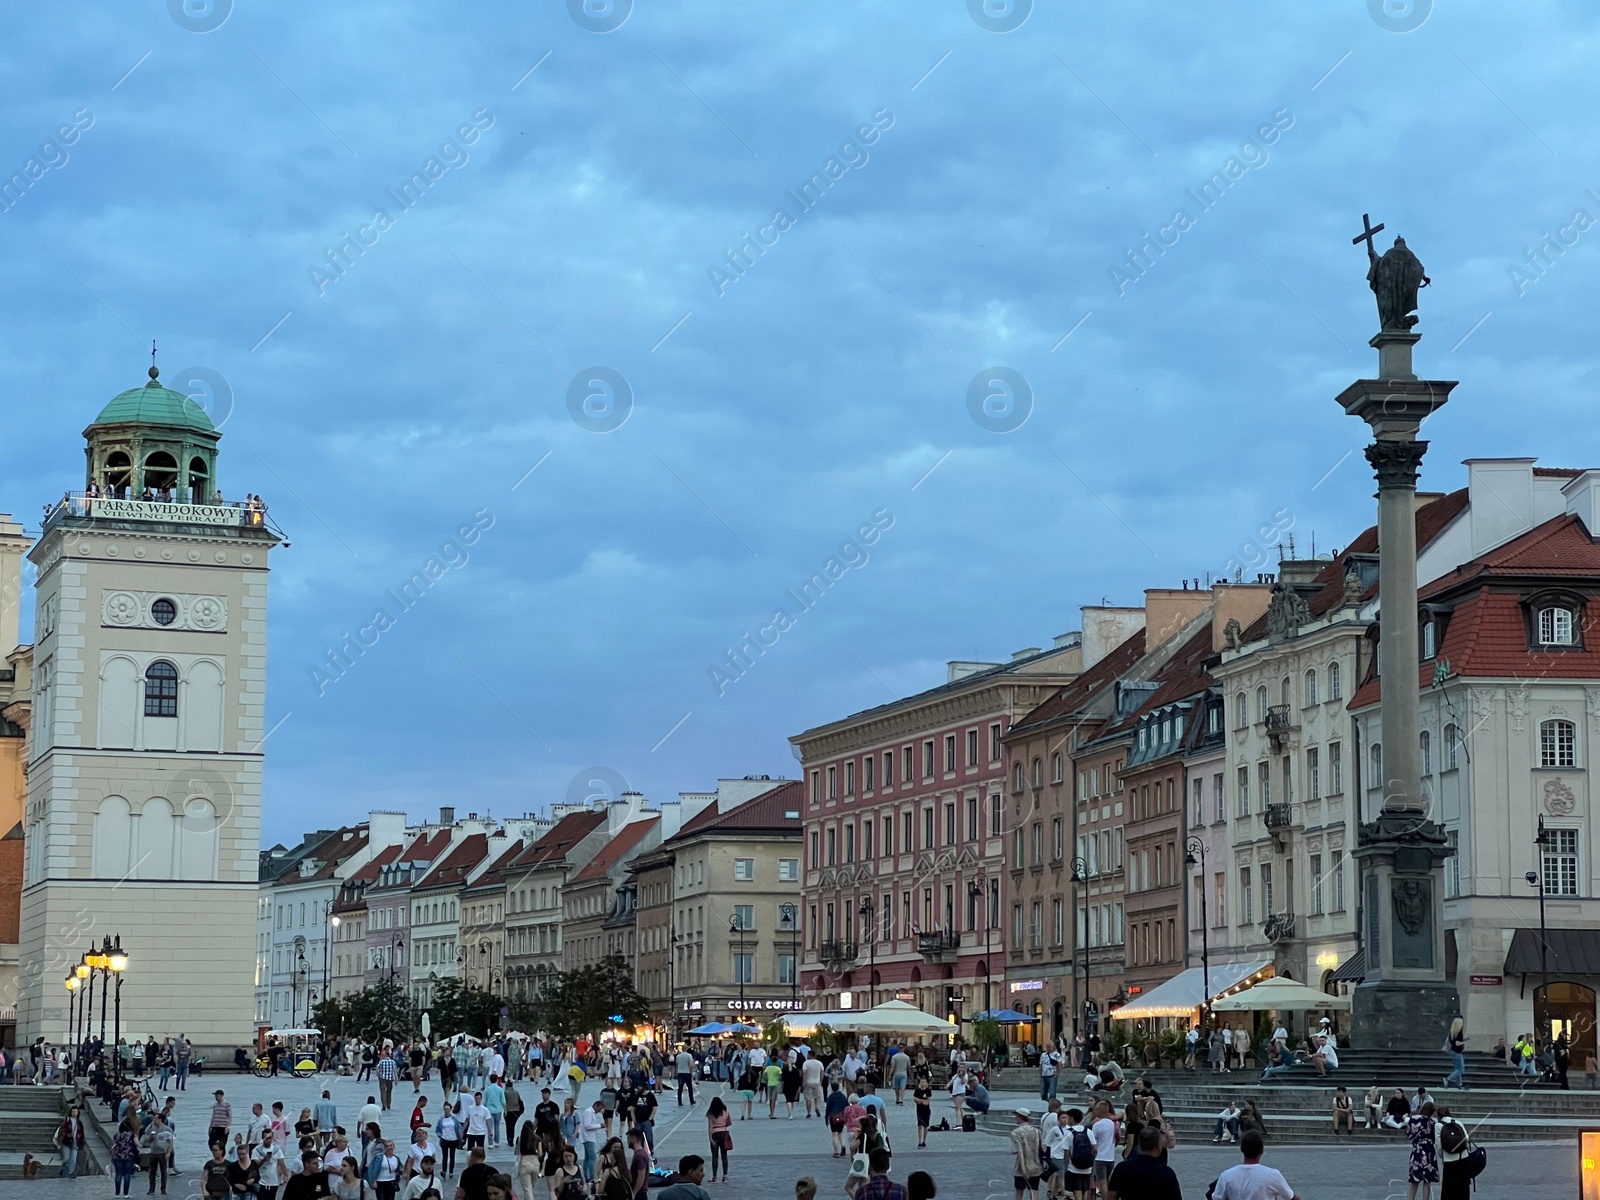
<point x="892" y="1016"/>
<point x="1181" y="995"/>
<point x="1281" y="995"/>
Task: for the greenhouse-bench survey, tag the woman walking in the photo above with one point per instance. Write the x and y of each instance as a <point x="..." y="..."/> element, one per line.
<point x="1423" y="1169"/>
<point x="719" y="1129"/>
<point x="124" y="1159"/>
<point x="615" y="1181"/>
<point x="1215" y="1051"/>
<point x="448" y="1131"/>
<point x="1456" y="1045"/>
<point x="531" y="1152"/>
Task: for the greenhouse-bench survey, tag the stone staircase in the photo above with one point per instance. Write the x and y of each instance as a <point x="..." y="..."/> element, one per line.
<point x="28" y="1120"/>
<point x="1495" y="1105"/>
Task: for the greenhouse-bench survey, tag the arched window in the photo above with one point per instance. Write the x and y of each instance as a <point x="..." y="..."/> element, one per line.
<point x="118" y="474"/>
<point x="1425" y="743"/>
<point x="1557" y="744"/>
<point x="1376" y="756"/>
<point x="1016" y="778"/>
<point x="199" y="480"/>
<point x="1335" y="684"/>
<point x="1311" y="687"/>
<point x="1261" y="703"/>
<point x="1450" y="739"/>
<point x="160" y="471"/>
<point x="1038" y="772"/>
<point x="1056" y="768"/>
<point x="161" y="689"/>
<point x="1287" y="697"/>
<point x="1241" y="712"/>
<point x="1555" y="626"/>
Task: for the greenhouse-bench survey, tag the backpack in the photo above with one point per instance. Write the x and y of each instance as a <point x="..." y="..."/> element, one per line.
<point x="1453" y="1137"/>
<point x="1083" y="1150"/>
<point x="1476" y="1161"/>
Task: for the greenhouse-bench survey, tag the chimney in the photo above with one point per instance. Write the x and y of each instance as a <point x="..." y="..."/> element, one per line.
<point x="447" y="814"/>
<point x="1583" y="499"/>
<point x="1167" y="610"/>
<point x="1105" y="628"/>
<point x="1027" y="652"/>
<point x="1244" y="602"/>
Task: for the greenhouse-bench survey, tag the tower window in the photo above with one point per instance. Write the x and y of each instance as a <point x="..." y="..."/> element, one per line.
<point x="164" y="612"/>
<point x="161" y="690"/>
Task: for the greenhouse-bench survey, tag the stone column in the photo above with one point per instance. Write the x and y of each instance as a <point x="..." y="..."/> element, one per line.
<point x="1405" y="994"/>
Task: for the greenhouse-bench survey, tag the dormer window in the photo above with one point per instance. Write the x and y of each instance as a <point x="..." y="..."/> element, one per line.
<point x="1430" y="639"/>
<point x="1555" y="626"/>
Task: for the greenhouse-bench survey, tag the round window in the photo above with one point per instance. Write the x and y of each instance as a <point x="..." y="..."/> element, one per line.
<point x="164" y="611"/>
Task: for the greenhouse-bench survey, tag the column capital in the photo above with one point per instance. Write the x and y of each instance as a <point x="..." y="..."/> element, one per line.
<point x="1396" y="463"/>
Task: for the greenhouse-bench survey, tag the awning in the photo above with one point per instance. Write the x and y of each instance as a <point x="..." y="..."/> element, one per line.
<point x="1568" y="951"/>
<point x="1181" y="995"/>
<point x="1280" y="994"/>
<point x="1353" y="969"/>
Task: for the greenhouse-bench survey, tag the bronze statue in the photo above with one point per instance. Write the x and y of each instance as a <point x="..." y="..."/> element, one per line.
<point x="1395" y="279"/>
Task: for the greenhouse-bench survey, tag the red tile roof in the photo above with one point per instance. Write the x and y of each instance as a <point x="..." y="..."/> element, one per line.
<point x="1182" y="677"/>
<point x="617" y="849"/>
<point x="556" y="843"/>
<point x="456" y="865"/>
<point x="1072" y="698"/>
<point x="1486" y="635"/>
<point x="339" y="849"/>
<point x="374" y="864"/>
<point x="1432" y="520"/>
<point x="495" y="874"/>
<point x="767" y="812"/>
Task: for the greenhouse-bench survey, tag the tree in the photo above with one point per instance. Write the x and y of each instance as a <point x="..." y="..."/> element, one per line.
<point x="457" y="1008"/>
<point x="592" y="998"/>
<point x="988" y="1037"/>
<point x="383" y="1010"/>
<point x="328" y="1015"/>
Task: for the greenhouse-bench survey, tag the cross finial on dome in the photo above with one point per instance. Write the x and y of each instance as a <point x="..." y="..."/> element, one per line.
<point x="155" y="372"/>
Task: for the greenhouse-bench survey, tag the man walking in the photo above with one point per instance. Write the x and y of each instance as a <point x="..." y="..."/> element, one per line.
<point x="181" y="1053"/>
<point x="1049" y="1073"/>
<point x="684" y="1064"/>
<point x="1028" y="1165"/>
<point x="1143" y="1176"/>
<point x="386" y="1076"/>
<point x="1252" y="1179"/>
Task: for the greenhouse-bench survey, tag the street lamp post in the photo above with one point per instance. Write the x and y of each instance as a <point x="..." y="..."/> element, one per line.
<point x="302" y="974"/>
<point x="117" y="963"/>
<point x="86" y="971"/>
<point x="736" y="926"/>
<point x="1080" y="874"/>
<point x="102" y="960"/>
<point x="397" y="943"/>
<point x="979" y="887"/>
<point x="327" y="949"/>
<point x="84" y="975"/>
<point x="867" y="910"/>
<point x="790" y="913"/>
<point x="72" y="1008"/>
<point x="1541" y="840"/>
<point x="1193" y="847"/>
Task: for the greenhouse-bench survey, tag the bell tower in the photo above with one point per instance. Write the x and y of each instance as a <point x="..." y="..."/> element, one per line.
<point x="145" y="744"/>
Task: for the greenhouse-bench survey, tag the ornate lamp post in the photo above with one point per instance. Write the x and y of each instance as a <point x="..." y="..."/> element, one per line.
<point x="397" y="943"/>
<point x="868" y="911"/>
<point x="1194" y="846"/>
<point x="84" y="975"/>
<point x="301" y="975"/>
<point x="790" y="914"/>
<point x="72" y="982"/>
<point x="736" y="929"/>
<point x="1537" y="879"/>
<point x="327" y="949"/>
<point x="976" y="888"/>
<point x="117" y="963"/>
<point x="1080" y="874"/>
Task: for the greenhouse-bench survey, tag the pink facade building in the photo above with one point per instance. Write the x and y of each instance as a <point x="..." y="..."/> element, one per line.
<point x="904" y="835"/>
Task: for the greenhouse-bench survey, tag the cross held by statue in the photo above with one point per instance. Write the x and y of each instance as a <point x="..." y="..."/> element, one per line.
<point x="1368" y="232"/>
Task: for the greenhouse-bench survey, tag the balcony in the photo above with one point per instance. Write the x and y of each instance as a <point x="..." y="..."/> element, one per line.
<point x="181" y="512"/>
<point x="1278" y="816"/>
<point x="836" y="956"/>
<point x="939" y="946"/>
<point x="1279" y="724"/>
<point x="1279" y="928"/>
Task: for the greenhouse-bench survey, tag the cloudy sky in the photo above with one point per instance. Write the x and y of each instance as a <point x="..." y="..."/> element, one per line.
<point x="607" y="325"/>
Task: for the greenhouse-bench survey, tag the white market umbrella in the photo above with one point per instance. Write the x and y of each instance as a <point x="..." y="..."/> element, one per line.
<point x="892" y="1016"/>
<point x="427" y="1026"/>
<point x="1282" y="995"/>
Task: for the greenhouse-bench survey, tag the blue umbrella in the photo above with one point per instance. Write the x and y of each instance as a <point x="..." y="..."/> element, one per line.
<point x="709" y="1028"/>
<point x="1005" y="1016"/>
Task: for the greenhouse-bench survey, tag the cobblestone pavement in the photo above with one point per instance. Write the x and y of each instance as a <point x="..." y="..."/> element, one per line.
<point x="769" y="1155"/>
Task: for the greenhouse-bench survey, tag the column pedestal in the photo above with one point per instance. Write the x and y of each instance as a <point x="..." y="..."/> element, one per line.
<point x="1405" y="1000"/>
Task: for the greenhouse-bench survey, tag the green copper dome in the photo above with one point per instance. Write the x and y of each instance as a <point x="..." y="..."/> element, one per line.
<point x="153" y="404"/>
